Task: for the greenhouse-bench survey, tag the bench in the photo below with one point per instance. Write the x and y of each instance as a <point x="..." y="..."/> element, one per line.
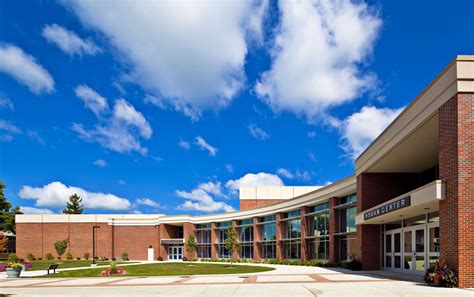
<point x="52" y="267"/>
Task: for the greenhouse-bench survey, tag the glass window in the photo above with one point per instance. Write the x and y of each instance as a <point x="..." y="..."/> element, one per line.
<point x="319" y="207"/>
<point x="348" y="199"/>
<point x="291" y="229"/>
<point x="245" y="234"/>
<point x="347" y="248"/>
<point x="203" y="251"/>
<point x="434" y="240"/>
<point x="318" y="225"/>
<point x="203" y="236"/>
<point x="318" y="249"/>
<point x="203" y="226"/>
<point x="268" y="219"/>
<point x="268" y="250"/>
<point x="224" y="224"/>
<point x="347" y="220"/>
<point x="223" y="252"/>
<point x="292" y="214"/>
<point x="418" y="220"/>
<point x="292" y="249"/>
<point x="433" y="217"/>
<point x="246" y="251"/>
<point x="268" y="231"/>
<point x="245" y="222"/>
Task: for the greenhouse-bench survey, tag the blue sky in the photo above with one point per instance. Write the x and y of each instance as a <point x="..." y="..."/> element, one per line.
<point x="146" y="107"/>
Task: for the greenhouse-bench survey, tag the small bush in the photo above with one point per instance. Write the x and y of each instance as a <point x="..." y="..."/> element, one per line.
<point x="30" y="257"/>
<point x="69" y="256"/>
<point x="125" y="256"/>
<point x="159" y="258"/>
<point x="59" y="258"/>
<point x="114" y="259"/>
<point x="78" y="258"/>
<point x="440" y="275"/>
<point x="354" y="265"/>
<point x="86" y="256"/>
<point x="39" y="259"/>
<point x="49" y="256"/>
<point x="12" y="258"/>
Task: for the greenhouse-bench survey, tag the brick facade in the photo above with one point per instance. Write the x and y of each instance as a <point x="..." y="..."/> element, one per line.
<point x="456" y="167"/>
<point x="333" y="229"/>
<point x="254" y="203"/>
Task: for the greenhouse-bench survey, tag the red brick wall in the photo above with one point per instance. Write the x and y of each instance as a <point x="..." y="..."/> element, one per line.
<point x="135" y="240"/>
<point x="214" y="252"/>
<point x="188" y="229"/>
<point x="456" y="167"/>
<point x="29" y="239"/>
<point x="373" y="189"/>
<point x="256" y="238"/>
<point x="304" y="231"/>
<point x="279" y="236"/>
<point x="254" y="203"/>
<point x="333" y="228"/>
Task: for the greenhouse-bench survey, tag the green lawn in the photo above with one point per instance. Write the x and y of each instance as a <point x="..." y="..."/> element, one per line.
<point x="160" y="269"/>
<point x="43" y="264"/>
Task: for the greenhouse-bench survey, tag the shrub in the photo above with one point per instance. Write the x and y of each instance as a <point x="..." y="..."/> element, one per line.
<point x="12" y="258"/>
<point x="185" y="258"/>
<point x="69" y="256"/>
<point x="159" y="258"/>
<point x="86" y="256"/>
<point x="125" y="256"/>
<point x="114" y="259"/>
<point x="354" y="265"/>
<point x="39" y="259"/>
<point x="15" y="266"/>
<point x="61" y="245"/>
<point x="78" y="258"/>
<point x="49" y="256"/>
<point x="59" y="258"/>
<point x="30" y="257"/>
<point x="440" y="275"/>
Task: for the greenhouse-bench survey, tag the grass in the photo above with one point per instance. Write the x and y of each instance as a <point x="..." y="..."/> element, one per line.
<point x="166" y="269"/>
<point x="43" y="264"/>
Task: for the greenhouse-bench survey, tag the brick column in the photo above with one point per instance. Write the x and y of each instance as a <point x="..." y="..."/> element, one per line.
<point x="333" y="229"/>
<point x="279" y="236"/>
<point x="256" y="238"/>
<point x="188" y="229"/>
<point x="235" y="254"/>
<point x="304" y="232"/>
<point x="456" y="167"/>
<point x="163" y="249"/>
<point x="214" y="254"/>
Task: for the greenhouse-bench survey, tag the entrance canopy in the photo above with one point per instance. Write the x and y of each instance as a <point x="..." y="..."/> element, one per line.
<point x="418" y="201"/>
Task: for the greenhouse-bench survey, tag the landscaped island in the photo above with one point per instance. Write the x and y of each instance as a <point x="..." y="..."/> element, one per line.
<point x="162" y="269"/>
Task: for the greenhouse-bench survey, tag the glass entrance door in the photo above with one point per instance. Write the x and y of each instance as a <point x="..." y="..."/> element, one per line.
<point x="393" y="250"/>
<point x="175" y="253"/>
<point x="414" y="249"/>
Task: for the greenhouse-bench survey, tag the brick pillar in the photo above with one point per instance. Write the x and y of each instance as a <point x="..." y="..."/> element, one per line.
<point x="235" y="254"/>
<point x="279" y="236"/>
<point x="256" y="239"/>
<point x="333" y="229"/>
<point x="163" y="249"/>
<point x="456" y="167"/>
<point x="188" y="229"/>
<point x="304" y="232"/>
<point x="214" y="254"/>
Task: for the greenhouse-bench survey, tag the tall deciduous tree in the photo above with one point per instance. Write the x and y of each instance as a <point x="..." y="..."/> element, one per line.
<point x="7" y="213"/>
<point x="3" y="242"/>
<point x="231" y="242"/>
<point x="74" y="205"/>
<point x="191" y="244"/>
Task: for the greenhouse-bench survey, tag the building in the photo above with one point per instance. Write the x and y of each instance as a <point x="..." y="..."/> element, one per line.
<point x="410" y="201"/>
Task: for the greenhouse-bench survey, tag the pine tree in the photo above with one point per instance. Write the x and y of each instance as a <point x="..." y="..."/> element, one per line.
<point x="7" y="213"/>
<point x="74" y="205"/>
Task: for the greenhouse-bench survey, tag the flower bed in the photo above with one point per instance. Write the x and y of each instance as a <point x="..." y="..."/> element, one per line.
<point x="440" y="275"/>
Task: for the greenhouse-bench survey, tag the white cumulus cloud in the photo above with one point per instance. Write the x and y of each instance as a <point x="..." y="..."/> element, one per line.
<point x="34" y="210"/>
<point x="56" y="195"/>
<point x="260" y="179"/>
<point x="184" y="144"/>
<point x="120" y="131"/>
<point x="147" y="202"/>
<point x="361" y="128"/>
<point x="190" y="53"/>
<point x="317" y="55"/>
<point x="201" y="143"/>
<point x="257" y="132"/>
<point x="24" y="69"/>
<point x="202" y="198"/>
<point x="5" y="102"/>
<point x="68" y="41"/>
<point x="92" y="100"/>
<point x="100" y="163"/>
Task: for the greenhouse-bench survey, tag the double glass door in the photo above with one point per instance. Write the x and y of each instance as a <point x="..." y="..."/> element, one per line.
<point x="175" y="253"/>
<point x="411" y="249"/>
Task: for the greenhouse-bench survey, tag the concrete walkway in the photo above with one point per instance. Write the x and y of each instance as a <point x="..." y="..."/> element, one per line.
<point x="283" y="281"/>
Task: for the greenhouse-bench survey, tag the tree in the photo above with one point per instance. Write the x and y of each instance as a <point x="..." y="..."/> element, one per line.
<point x="191" y="244"/>
<point x="3" y="242"/>
<point x="231" y="241"/>
<point x="74" y="205"/>
<point x="7" y="213"/>
<point x="61" y="245"/>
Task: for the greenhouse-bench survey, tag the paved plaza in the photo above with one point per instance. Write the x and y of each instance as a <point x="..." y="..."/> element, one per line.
<point x="283" y="281"/>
